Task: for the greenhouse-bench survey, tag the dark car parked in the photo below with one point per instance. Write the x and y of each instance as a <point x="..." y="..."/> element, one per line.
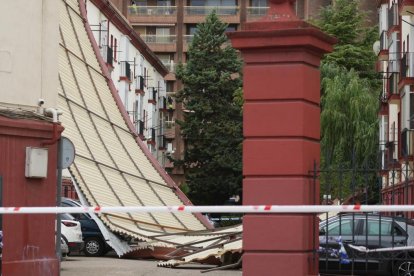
<point x="95" y="244"/>
<point x="340" y="236"/>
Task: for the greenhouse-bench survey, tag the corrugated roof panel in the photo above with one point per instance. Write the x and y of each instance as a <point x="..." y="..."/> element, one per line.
<point x="66" y="28"/>
<point x="91" y="137"/>
<point x="112" y="142"/>
<point x="70" y="128"/>
<point x="68" y="83"/>
<point x="85" y="44"/>
<point x="146" y="168"/>
<point x="89" y="100"/>
<point x="73" y="4"/>
<point x="108" y="102"/>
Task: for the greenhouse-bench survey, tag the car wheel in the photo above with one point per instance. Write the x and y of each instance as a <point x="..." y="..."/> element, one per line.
<point x="404" y="268"/>
<point x="94" y="247"/>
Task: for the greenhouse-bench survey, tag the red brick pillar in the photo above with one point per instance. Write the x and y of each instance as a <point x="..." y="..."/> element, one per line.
<point x="282" y="131"/>
<point x="29" y="240"/>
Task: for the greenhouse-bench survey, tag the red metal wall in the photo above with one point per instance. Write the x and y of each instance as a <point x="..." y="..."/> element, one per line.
<point x="29" y="240"/>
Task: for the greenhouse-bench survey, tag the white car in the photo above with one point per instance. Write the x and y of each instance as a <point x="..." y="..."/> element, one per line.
<point x="71" y="233"/>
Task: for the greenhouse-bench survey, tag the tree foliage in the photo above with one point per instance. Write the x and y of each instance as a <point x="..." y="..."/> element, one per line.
<point x="349" y="99"/>
<point x="212" y="125"/>
<point x="345" y="21"/>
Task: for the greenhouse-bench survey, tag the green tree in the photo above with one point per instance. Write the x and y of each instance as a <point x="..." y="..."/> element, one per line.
<point x="212" y="125"/>
<point x="345" y="21"/>
<point x="349" y="101"/>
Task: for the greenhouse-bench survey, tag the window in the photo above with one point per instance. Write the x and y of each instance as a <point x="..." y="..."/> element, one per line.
<point x="259" y="3"/>
<point x="140" y="2"/>
<point x="375" y="227"/>
<point x="170" y="86"/>
<point x="343" y="227"/>
<point x="164" y="3"/>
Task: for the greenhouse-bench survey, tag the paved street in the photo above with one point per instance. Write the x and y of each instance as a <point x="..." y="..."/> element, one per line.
<point x="112" y="266"/>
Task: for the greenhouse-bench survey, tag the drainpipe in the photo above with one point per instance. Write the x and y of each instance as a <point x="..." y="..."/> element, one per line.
<point x="55" y="113"/>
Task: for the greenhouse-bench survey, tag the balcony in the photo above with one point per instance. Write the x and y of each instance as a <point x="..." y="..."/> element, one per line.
<point x="407" y="136"/>
<point x="169" y="64"/>
<point x="152" y="14"/>
<point x="153" y="96"/>
<point x="383" y="51"/>
<point x="161" y="43"/>
<point x="254" y="13"/>
<point x="139" y="125"/>
<point x="406" y="7"/>
<point x="139" y="85"/>
<point x="393" y="91"/>
<point x="151" y="138"/>
<point x="162" y="142"/>
<point x="108" y="55"/>
<point x="197" y="14"/>
<point x="163" y="103"/>
<point x="393" y="16"/>
<point x="169" y="131"/>
<point x="407" y="65"/>
<point x="407" y="70"/>
<point x="125" y="71"/>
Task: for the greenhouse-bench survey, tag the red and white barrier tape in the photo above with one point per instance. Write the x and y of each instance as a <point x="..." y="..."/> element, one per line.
<point x="212" y="209"/>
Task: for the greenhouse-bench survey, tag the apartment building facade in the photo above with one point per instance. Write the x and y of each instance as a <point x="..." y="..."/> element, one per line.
<point x="136" y="71"/>
<point x="396" y="116"/>
<point x="168" y="26"/>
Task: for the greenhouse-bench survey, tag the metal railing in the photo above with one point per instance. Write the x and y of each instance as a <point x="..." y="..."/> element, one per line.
<point x="253" y="12"/>
<point x="384" y="41"/>
<point x="393" y="84"/>
<point x="169" y="64"/>
<point x="125" y="69"/>
<point x="152" y="10"/>
<point x="159" y="39"/>
<point x="140" y="126"/>
<point x="407" y="65"/>
<point x="393" y="15"/>
<point x="407" y="142"/>
<point x="205" y="10"/>
<point x="139" y="83"/>
<point x="188" y="38"/>
<point x="108" y="55"/>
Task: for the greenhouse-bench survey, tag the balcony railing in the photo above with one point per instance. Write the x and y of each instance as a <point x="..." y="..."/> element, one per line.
<point x="188" y="38"/>
<point x="163" y="103"/>
<point x="205" y="10"/>
<point x="393" y="84"/>
<point x="125" y="69"/>
<point x="139" y="125"/>
<point x="159" y="39"/>
<point x="139" y="83"/>
<point x="169" y="64"/>
<point x="384" y="41"/>
<point x="152" y="10"/>
<point x="108" y="55"/>
<point x="152" y="134"/>
<point x="407" y="142"/>
<point x="255" y="12"/>
<point x="162" y="142"/>
<point x="407" y="65"/>
<point x="394" y="66"/>
<point x="393" y="15"/>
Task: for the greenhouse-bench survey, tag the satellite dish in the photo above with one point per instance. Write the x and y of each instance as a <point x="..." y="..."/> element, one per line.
<point x="376" y="47"/>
